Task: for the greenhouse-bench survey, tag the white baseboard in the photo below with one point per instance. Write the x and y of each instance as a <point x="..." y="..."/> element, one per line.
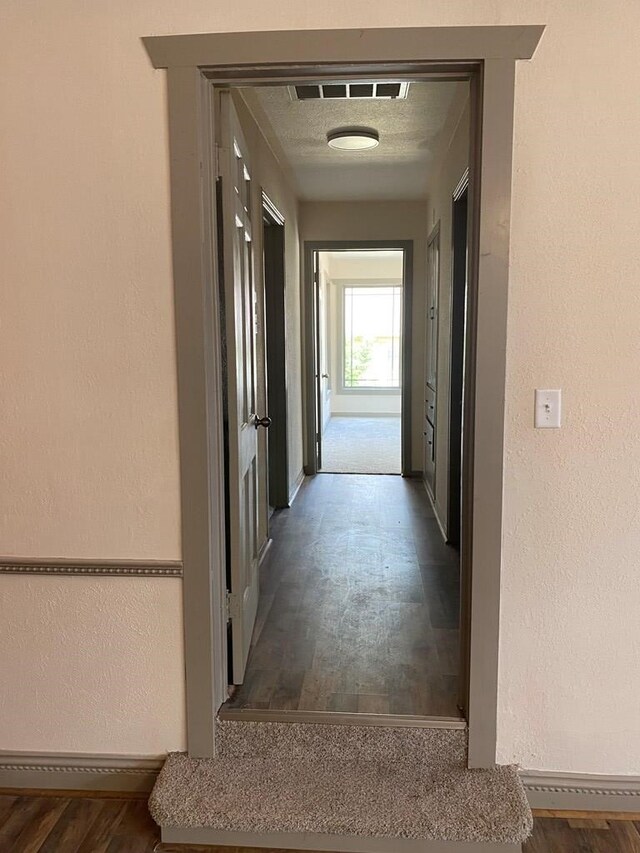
<point x="77" y="772"/>
<point x="581" y="792"/>
<point x="293" y="494"/>
<point x="436" y="513"/>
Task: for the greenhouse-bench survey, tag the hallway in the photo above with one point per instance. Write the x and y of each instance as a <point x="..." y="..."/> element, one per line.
<point x="358" y="606"/>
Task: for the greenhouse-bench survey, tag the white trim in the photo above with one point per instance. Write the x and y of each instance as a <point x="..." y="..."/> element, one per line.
<point x="360" y="282"/>
<point x="78" y="771"/>
<point x="436" y="511"/>
<point x="581" y="792"/>
<point x="320" y="841"/>
<point x="296" y="488"/>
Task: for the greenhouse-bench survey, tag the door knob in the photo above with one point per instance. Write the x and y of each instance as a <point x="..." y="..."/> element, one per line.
<point x="262" y="422"/>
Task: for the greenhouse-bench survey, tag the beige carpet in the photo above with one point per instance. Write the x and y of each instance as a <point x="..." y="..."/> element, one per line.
<point x="342" y="780"/>
<point x="362" y="446"/>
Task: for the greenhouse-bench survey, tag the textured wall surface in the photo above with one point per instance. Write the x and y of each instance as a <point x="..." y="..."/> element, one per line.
<point x="91" y="665"/>
<point x="88" y="429"/>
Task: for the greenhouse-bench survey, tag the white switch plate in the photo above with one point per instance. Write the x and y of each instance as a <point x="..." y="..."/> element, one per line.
<point x="548" y="409"/>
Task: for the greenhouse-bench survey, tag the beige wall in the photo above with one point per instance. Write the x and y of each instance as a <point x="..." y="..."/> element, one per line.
<point x="92" y="665"/>
<point x="455" y="160"/>
<point x="88" y="421"/>
<point x="382" y="220"/>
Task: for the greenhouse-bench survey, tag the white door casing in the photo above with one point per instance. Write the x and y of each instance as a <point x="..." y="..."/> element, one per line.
<point x="323" y="328"/>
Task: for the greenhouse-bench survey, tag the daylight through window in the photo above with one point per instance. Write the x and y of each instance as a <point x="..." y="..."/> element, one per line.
<point x="372" y="330"/>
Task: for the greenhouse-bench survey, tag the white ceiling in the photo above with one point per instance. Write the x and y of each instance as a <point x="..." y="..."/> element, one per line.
<point x="412" y="132"/>
<point x="363" y="264"/>
<point x="364" y="254"/>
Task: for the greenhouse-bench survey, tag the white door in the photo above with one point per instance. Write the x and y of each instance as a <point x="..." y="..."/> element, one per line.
<point x="240" y="321"/>
<point x="325" y="379"/>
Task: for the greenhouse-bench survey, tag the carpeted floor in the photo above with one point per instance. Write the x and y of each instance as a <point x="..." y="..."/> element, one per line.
<point x="362" y="445"/>
<point x="342" y="780"/>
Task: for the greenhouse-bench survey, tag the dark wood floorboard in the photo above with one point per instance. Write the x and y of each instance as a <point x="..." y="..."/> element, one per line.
<point x="559" y="835"/>
<point x="359" y="604"/>
<point x="111" y="825"/>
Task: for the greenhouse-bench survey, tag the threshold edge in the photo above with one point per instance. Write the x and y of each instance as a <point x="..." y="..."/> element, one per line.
<point x="340" y="718"/>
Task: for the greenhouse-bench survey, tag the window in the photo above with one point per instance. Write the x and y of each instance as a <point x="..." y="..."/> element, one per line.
<point x="372" y="324"/>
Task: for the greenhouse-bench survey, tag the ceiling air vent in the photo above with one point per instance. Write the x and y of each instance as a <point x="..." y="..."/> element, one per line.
<point x="383" y="91"/>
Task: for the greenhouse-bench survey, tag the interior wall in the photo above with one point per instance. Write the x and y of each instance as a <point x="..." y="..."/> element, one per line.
<point x="88" y="424"/>
<point x="92" y="665"/>
<point x="381" y="220"/>
<point x="452" y="167"/>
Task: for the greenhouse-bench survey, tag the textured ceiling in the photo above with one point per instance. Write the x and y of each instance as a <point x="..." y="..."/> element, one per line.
<point x="411" y="134"/>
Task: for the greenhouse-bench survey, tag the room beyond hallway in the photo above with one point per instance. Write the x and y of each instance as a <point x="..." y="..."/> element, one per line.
<point x="358" y="604"/>
<point x="362" y="445"/>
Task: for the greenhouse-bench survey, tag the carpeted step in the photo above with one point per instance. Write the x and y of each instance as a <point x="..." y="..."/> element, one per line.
<point x="357" y="782"/>
<point x="327" y="743"/>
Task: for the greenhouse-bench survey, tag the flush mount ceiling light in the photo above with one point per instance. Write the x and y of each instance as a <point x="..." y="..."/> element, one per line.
<point x="353" y="139"/>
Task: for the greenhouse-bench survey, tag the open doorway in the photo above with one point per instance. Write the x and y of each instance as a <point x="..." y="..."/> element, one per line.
<point x="486" y="57"/>
<point x="359" y="330"/>
<point x="355" y="606"/>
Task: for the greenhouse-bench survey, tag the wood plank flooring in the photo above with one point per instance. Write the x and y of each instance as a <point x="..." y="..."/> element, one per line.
<point x="359" y="604"/>
<point x="91" y="824"/>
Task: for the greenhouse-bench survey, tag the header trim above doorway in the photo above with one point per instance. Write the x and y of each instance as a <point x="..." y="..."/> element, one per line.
<point x="359" y="45"/>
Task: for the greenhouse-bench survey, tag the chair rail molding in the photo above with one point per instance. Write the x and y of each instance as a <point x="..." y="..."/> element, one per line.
<point x="581" y="791"/>
<point x="111" y="568"/>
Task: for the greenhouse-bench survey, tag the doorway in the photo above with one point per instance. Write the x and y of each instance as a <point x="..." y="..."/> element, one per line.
<point x="358" y="359"/>
<point x="193" y="61"/>
<point x="358" y="595"/>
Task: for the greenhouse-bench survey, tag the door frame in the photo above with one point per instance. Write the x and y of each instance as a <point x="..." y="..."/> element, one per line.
<point x="456" y="356"/>
<point x="192" y="61"/>
<point x="275" y="333"/>
<point x="310" y="320"/>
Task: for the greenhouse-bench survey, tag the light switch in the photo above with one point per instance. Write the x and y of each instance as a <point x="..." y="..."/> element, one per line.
<point x="548" y="409"/>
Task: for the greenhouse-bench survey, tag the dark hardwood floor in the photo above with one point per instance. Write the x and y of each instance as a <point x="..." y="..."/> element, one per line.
<point x="92" y="824"/>
<point x="359" y="604"/>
